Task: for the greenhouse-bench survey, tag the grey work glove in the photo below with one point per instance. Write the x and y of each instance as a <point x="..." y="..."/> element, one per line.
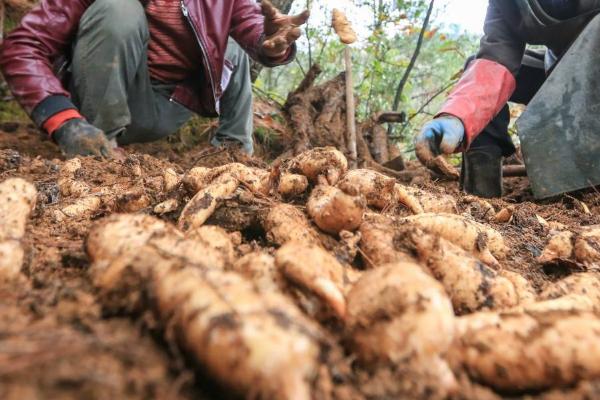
<point x="77" y="137"/>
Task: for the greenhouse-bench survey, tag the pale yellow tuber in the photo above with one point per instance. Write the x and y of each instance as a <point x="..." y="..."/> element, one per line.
<point x="485" y="242"/>
<point x="166" y="206"/>
<point x="419" y="201"/>
<point x="379" y="243"/>
<point x="471" y="285"/>
<point x="206" y="201"/>
<point x="292" y="185"/>
<point x="216" y="238"/>
<point x="17" y="201"/>
<point x="315" y="270"/>
<point x="587" y="247"/>
<point x="255" y="344"/>
<point x="377" y="188"/>
<point x="259" y="267"/>
<point x="334" y="211"/>
<point x="323" y="163"/>
<point x="525" y="352"/>
<point x="342" y="27"/>
<point x="286" y="223"/>
<point x="560" y="247"/>
<point x="397" y="312"/>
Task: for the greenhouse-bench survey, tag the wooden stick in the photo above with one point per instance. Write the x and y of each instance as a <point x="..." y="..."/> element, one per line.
<point x="511" y="171"/>
<point x="350" y="109"/>
<point x="393" y="117"/>
<point x="2" y="15"/>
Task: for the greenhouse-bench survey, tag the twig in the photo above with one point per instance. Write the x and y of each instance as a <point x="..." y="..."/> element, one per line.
<point x="422" y="108"/>
<point x="350" y="110"/>
<point x="412" y="62"/>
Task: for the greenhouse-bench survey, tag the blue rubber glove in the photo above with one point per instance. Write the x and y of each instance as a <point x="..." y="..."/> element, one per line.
<point x="443" y="135"/>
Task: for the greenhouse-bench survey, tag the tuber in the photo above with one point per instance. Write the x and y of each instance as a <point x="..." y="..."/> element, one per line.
<point x="471" y="285"/>
<point x="525" y="352"/>
<point x="397" y="312"/>
<point x="323" y="163"/>
<point x="17" y="201"/>
<point x="377" y="188"/>
<point x="285" y="223"/>
<point x="342" y="27"/>
<point x="317" y="271"/>
<point x="205" y="202"/>
<point x="485" y="242"/>
<point x="334" y="211"/>
<point x="292" y="185"/>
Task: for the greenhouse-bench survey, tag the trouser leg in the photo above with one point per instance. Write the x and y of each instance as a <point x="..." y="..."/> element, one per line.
<point x="110" y="81"/>
<point x="235" y="122"/>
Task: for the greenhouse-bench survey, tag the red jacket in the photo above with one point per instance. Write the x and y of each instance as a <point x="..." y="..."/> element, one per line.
<point x="29" y="53"/>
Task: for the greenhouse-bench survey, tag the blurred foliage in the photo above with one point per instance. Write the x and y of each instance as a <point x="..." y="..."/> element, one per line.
<point x="388" y="32"/>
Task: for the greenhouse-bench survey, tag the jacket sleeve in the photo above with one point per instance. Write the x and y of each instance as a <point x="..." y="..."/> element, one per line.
<point x="489" y="81"/>
<point x="247" y="28"/>
<point x="27" y="55"/>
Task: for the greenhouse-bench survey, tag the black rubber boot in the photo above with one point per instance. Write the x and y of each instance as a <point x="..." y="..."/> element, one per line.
<point x="481" y="173"/>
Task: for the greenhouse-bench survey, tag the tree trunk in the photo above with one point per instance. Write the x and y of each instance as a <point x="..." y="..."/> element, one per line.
<point x="284" y="6"/>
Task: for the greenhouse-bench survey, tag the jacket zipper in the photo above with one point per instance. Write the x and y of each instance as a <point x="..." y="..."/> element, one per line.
<point x="186" y="14"/>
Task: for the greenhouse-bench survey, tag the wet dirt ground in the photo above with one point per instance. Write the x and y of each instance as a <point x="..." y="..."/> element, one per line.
<point x="55" y="342"/>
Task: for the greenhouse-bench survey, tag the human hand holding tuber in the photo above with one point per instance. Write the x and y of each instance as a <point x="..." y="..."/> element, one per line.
<point x="77" y="137"/>
<point x="281" y="31"/>
<point x="443" y="135"/>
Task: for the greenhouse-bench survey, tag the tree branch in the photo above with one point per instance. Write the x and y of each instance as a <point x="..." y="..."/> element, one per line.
<point x="413" y="59"/>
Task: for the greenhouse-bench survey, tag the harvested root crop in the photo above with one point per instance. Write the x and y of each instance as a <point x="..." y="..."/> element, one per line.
<point x="379" y="243"/>
<point x="292" y="185"/>
<point x="587" y="247"/>
<point x="83" y="207"/>
<point x="397" y="314"/>
<point x="259" y="267"/>
<point x="285" y="223"/>
<point x="419" y="201"/>
<point x="582" y="247"/>
<point x="577" y="292"/>
<point x="342" y="27"/>
<point x="320" y="165"/>
<point x="485" y="242"/>
<point x="334" y="211"/>
<point x="17" y="201"/>
<point x="67" y="183"/>
<point x="560" y="247"/>
<point x="132" y="201"/>
<point x="205" y="202"/>
<point x="471" y="285"/>
<point x="377" y="188"/>
<point x="523" y="352"/>
<point x="215" y="238"/>
<point x="585" y="283"/>
<point x="232" y="330"/>
<point x="441" y="165"/>
<point x="171" y="180"/>
<point x="166" y="206"/>
<point x="121" y="233"/>
<point x="255" y="179"/>
<point x="315" y="270"/>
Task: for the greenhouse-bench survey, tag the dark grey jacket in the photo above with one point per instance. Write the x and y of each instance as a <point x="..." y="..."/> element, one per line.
<point x="510" y="25"/>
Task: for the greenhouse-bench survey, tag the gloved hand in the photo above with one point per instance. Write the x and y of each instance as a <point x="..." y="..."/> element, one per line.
<point x="77" y="137"/>
<point x="281" y="30"/>
<point x="443" y="135"/>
